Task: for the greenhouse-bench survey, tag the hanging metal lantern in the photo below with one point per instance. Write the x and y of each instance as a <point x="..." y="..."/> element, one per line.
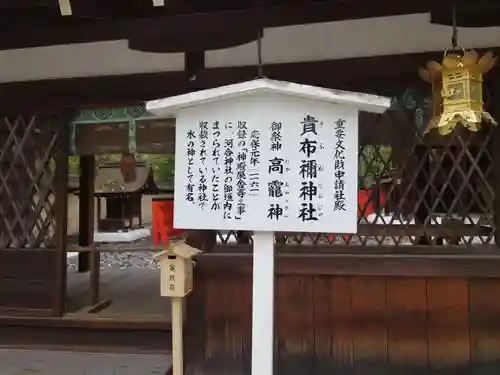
<point x="128" y="167"/>
<point x="462" y="91"/>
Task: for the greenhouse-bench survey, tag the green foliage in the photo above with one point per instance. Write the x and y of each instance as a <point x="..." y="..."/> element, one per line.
<point x="163" y="166"/>
<point x="74" y="165"/>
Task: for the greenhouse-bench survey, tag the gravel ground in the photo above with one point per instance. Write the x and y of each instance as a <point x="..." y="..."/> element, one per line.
<point x="144" y="259"/>
<point x="122" y="260"/>
<point x="136" y="259"/>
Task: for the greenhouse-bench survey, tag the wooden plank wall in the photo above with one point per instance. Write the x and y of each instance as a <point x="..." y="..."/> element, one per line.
<point x="329" y="324"/>
<point x="28" y="282"/>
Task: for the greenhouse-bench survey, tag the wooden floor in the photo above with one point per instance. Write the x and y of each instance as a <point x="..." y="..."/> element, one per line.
<point x="132" y="292"/>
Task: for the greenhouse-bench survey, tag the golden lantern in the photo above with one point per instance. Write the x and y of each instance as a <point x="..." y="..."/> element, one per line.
<point x="462" y="91"/>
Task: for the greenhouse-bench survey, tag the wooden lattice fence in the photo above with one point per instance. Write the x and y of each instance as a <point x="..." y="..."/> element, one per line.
<point x="33" y="211"/>
<point x="414" y="188"/>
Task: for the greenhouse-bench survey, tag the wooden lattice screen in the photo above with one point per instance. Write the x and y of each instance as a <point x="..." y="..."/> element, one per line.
<point x="27" y="176"/>
<point x="415" y="189"/>
<point x="33" y="212"/>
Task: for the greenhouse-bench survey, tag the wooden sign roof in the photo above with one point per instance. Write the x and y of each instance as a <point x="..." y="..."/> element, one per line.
<point x="179" y="248"/>
<point x="364" y="102"/>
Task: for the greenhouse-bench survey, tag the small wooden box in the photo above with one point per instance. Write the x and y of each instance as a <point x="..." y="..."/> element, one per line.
<point x="177" y="270"/>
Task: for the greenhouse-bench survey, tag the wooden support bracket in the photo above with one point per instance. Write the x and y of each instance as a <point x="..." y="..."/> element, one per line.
<point x="65" y="7"/>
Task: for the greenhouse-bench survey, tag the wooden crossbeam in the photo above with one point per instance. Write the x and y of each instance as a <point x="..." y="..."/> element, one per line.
<point x="65" y="7"/>
<point x="21" y="34"/>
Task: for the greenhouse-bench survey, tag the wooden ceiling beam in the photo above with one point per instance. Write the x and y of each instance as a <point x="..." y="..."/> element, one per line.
<point x="373" y="74"/>
<point x="20" y="4"/>
<point x="478" y="13"/>
<point x="285" y="14"/>
<point x="32" y="33"/>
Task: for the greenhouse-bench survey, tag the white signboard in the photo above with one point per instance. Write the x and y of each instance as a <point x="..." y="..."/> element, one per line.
<point x="267" y="162"/>
<point x="266" y="156"/>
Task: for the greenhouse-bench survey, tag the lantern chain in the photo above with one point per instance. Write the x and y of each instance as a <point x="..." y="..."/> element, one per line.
<point x="454" y="36"/>
<point x="260" y="67"/>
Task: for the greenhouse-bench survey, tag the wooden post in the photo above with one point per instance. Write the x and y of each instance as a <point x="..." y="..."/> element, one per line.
<point x="95" y="276"/>
<point x="177" y="348"/>
<point x="263" y="303"/>
<point x="86" y="209"/>
<point x="61" y="184"/>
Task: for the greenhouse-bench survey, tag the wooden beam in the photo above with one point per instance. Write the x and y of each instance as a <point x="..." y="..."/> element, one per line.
<point x="371" y="74"/>
<point x="61" y="182"/>
<point x="86" y="209"/>
<point x="25" y="4"/>
<point x="35" y="32"/>
<point x="218" y="36"/>
<point x="480" y="13"/>
<point x="309" y="262"/>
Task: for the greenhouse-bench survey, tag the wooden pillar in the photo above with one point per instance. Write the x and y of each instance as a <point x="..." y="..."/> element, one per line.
<point x="61" y="186"/>
<point x="86" y="209"/>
